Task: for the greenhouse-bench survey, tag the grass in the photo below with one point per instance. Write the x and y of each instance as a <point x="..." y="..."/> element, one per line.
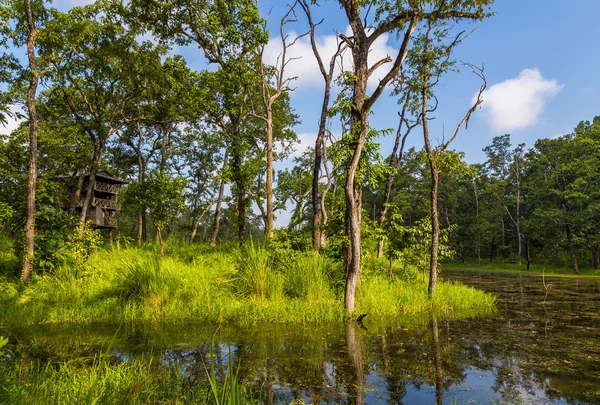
<point x="195" y="283"/>
<point x="106" y="380"/>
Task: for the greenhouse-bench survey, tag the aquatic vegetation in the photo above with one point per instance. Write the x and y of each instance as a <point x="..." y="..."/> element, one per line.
<point x="25" y="379"/>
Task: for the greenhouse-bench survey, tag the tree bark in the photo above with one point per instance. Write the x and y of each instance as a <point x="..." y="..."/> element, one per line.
<point x="240" y="192"/>
<point x="595" y="255"/>
<point x="139" y="226"/>
<point x="571" y="248"/>
<point x="77" y="193"/>
<point x="270" y="216"/>
<point x="435" y="229"/>
<point x="215" y="233"/>
<point x="33" y="129"/>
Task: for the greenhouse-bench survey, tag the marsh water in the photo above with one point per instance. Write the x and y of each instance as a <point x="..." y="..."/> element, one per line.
<point x="541" y="347"/>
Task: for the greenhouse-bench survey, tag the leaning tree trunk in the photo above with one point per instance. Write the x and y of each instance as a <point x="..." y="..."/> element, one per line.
<point x="76" y="193"/>
<point x="33" y="129"/>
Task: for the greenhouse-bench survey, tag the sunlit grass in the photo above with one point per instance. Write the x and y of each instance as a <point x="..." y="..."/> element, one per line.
<point x="195" y="283"/>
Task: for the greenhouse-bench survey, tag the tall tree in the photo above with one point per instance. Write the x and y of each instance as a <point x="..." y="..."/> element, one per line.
<point x="392" y="17"/>
<point x="228" y="32"/>
<point x="274" y="83"/>
<point x="319" y="214"/>
<point x="432" y="61"/>
<point x="98" y="72"/>
<point x="21" y="22"/>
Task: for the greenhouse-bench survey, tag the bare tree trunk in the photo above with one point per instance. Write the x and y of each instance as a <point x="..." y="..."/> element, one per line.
<point x="316" y="202"/>
<point x="215" y="233"/>
<point x="571" y="248"/>
<point x="318" y="235"/>
<point x="33" y="129"/>
<point x="138" y="239"/>
<point x="241" y="197"/>
<point x="435" y="229"/>
<point x="478" y="233"/>
<point x="270" y="217"/>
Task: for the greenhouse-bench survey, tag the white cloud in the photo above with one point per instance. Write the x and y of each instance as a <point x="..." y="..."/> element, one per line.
<point x="518" y="102"/>
<point x="12" y="123"/>
<point x="306" y="67"/>
<point x="305" y="141"/>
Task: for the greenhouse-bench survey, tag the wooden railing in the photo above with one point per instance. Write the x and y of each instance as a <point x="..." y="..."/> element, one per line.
<point x="110" y="221"/>
<point x="108" y="204"/>
<point x="107" y="188"/>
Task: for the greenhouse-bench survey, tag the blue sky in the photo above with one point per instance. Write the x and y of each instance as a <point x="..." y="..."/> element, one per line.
<point x="540" y="57"/>
<point x="541" y="63"/>
<point x="541" y="60"/>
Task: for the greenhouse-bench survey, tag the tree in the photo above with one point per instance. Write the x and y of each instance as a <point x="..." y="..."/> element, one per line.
<point x="506" y="166"/>
<point x="392" y="16"/>
<point x="318" y="199"/>
<point x="164" y="198"/>
<point x="273" y="84"/>
<point x="432" y="62"/>
<point x="99" y="70"/>
<point x="25" y="32"/>
<point x="227" y="32"/>
<point x="295" y="185"/>
<point x="395" y="160"/>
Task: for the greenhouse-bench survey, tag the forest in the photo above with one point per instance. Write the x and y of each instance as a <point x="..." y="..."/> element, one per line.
<point x="139" y="189"/>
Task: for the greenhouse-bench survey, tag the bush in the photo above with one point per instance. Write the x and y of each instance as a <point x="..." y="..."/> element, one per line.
<point x="308" y="277"/>
<point x="144" y="279"/>
<point x="256" y="276"/>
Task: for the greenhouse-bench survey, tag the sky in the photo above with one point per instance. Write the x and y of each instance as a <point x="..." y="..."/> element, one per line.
<point x="541" y="61"/>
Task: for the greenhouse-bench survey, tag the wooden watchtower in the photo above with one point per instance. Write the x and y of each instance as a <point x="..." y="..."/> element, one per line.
<point x="105" y="200"/>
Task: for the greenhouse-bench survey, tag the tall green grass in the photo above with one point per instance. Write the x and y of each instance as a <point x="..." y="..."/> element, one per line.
<point x="195" y="283"/>
<point x="105" y="380"/>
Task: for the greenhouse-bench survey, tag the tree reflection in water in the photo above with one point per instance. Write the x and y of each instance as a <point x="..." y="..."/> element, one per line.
<point x="539" y="347"/>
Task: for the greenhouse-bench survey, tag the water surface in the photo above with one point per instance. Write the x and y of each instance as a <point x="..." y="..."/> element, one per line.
<point x="542" y="347"/>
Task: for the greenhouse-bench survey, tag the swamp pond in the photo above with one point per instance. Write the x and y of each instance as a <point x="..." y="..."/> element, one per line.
<point x="541" y="347"/>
